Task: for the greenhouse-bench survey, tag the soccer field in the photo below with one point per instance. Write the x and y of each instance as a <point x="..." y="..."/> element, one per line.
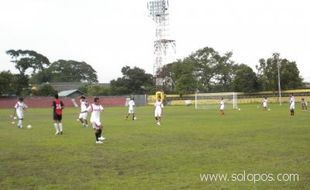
<point x="255" y="149"/>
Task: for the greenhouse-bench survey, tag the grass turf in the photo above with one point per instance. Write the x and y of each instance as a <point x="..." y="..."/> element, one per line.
<point x="140" y="155"/>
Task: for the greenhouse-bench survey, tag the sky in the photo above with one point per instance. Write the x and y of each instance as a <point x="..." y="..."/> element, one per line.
<point x="109" y="34"/>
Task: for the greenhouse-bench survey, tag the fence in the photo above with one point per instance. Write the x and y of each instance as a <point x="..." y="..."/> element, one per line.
<point x="45" y="102"/>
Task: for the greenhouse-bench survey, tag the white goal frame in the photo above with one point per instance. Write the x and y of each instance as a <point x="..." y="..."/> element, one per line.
<point x="212" y="100"/>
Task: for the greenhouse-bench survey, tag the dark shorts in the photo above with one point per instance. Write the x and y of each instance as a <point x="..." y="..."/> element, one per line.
<point x="57" y="117"/>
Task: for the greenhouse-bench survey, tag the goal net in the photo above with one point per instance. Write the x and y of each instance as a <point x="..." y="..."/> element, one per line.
<point x="212" y="100"/>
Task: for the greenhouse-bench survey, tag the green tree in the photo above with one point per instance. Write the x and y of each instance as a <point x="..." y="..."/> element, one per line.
<point x="71" y="71"/>
<point x="205" y="61"/>
<point x="28" y="59"/>
<point x="7" y="80"/>
<point x="213" y="72"/>
<point x="245" y="79"/>
<point x="268" y="73"/>
<point x="95" y="90"/>
<point x="133" y="81"/>
<point x="183" y="77"/>
<point x="224" y="73"/>
<point x="46" y="90"/>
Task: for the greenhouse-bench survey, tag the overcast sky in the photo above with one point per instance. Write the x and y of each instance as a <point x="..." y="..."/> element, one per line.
<point x="109" y="34"/>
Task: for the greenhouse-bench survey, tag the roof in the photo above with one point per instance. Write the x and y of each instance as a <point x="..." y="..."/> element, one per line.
<point x="68" y="92"/>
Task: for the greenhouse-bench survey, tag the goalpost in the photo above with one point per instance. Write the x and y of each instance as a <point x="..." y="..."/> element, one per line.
<point x="212" y="100"/>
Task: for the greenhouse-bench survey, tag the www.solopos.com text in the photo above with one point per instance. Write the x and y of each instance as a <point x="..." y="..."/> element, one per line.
<point x="249" y="177"/>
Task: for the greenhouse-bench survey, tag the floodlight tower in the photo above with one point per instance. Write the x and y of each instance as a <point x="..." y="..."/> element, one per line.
<point x="164" y="47"/>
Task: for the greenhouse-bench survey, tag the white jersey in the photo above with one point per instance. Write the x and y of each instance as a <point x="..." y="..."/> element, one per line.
<point x="158" y="108"/>
<point x="84" y="105"/>
<point x="265" y="102"/>
<point x="292" y="102"/>
<point x="95" y="113"/>
<point x="83" y="113"/>
<point x="131" y="105"/>
<point x="19" y="107"/>
<point x="222" y="105"/>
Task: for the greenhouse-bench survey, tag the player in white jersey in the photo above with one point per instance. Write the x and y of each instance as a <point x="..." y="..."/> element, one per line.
<point x="265" y="103"/>
<point x="83" y="113"/>
<point x="222" y="105"/>
<point x="20" y="106"/>
<point x="131" y="109"/>
<point x="304" y="104"/>
<point x="292" y="104"/>
<point x="158" y="110"/>
<point x="95" y="109"/>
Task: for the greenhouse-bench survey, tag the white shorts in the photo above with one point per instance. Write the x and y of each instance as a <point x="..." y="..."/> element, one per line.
<point x="222" y="107"/>
<point x="265" y="105"/>
<point x="96" y="124"/>
<point x="131" y="111"/>
<point x="292" y="107"/>
<point x="83" y="116"/>
<point x="19" y="115"/>
<point x="157" y="113"/>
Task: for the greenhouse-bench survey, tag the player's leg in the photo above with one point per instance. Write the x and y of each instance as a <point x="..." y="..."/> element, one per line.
<point x="20" y="123"/>
<point x="60" y="124"/>
<point x="98" y="132"/>
<point x="97" y="135"/>
<point x="292" y="112"/>
<point x="20" y="120"/>
<point x="81" y="118"/>
<point x="158" y="120"/>
<point x="56" y="127"/>
<point x="128" y="114"/>
<point x="85" y="119"/>
<point x="55" y="119"/>
<point x="158" y="117"/>
<point x="101" y="137"/>
<point x="85" y="122"/>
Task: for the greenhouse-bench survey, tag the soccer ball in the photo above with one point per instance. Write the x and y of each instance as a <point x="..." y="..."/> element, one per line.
<point x="239" y="109"/>
<point x="135" y="118"/>
<point x="14" y="117"/>
<point x="13" y="122"/>
<point x="269" y="109"/>
<point x="29" y="126"/>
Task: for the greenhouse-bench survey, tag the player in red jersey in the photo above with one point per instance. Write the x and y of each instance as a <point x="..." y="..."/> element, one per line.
<point x="58" y="106"/>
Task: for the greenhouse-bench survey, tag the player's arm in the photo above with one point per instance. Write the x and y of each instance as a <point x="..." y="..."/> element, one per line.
<point x="89" y="109"/>
<point x="25" y="106"/>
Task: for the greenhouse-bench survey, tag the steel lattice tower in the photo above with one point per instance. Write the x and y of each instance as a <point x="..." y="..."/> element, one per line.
<point x="163" y="46"/>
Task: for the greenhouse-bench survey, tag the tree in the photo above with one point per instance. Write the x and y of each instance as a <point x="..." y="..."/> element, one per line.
<point x="46" y="90"/>
<point x="224" y="73"/>
<point x="71" y="71"/>
<point x="95" y="90"/>
<point x="134" y="81"/>
<point x="205" y="61"/>
<point x="28" y="59"/>
<point x="6" y="82"/>
<point x="245" y="79"/>
<point x="268" y="73"/>
<point x="213" y="72"/>
<point x="182" y="75"/>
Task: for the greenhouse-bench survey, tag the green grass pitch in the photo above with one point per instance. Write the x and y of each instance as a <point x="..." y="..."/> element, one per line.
<point x="140" y="155"/>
